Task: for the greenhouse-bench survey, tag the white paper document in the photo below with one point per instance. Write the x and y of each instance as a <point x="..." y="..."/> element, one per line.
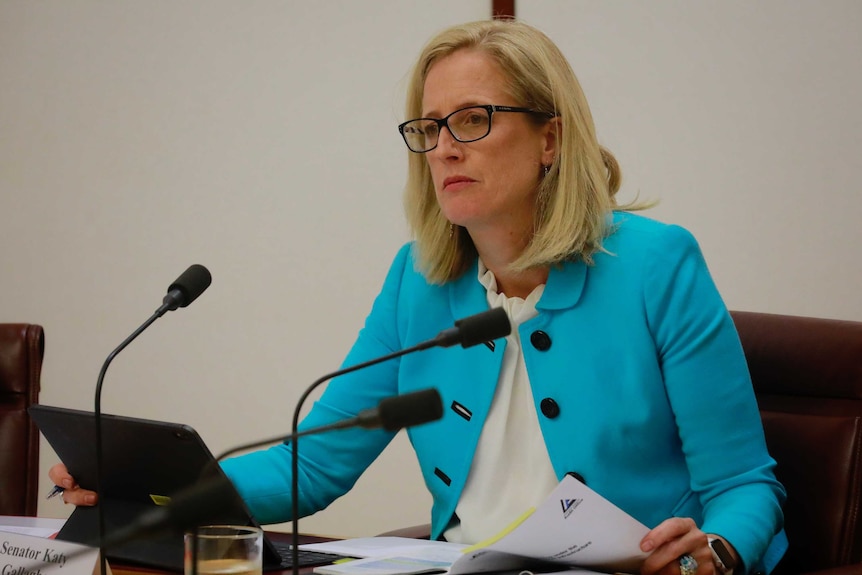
<point x="35" y="526"/>
<point x="575" y="527"/>
<point x="388" y="547"/>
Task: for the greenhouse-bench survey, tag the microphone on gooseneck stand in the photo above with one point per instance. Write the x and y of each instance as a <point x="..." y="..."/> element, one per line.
<point x="205" y="500"/>
<point x="468" y="331"/>
<point x="191" y="283"/>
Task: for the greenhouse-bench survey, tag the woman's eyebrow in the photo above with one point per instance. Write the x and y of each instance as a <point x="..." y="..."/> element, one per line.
<point x="467" y="104"/>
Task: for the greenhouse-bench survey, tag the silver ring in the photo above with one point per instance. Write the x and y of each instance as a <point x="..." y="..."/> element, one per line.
<point x="687" y="565"/>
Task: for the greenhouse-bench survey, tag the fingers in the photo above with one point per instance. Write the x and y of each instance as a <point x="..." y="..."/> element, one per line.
<point x="78" y="496"/>
<point x="72" y="493"/>
<point x="60" y="476"/>
<point x="672" y="539"/>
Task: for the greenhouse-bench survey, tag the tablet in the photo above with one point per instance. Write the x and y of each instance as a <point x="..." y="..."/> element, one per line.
<point x="145" y="463"/>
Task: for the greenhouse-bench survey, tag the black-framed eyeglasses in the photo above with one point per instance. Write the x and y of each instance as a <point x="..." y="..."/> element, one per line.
<point x="466" y="125"/>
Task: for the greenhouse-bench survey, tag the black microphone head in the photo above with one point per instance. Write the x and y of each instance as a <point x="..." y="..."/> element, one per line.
<point x="186" y="289"/>
<point x="410" y="409"/>
<point x="482" y="327"/>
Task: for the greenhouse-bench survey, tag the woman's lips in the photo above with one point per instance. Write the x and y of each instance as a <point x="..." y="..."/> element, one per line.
<point x="455" y="183"/>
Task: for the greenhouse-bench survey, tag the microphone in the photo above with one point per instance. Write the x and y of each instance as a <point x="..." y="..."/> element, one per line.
<point x="474" y="329"/>
<point x="391" y="414"/>
<point x="206" y="500"/>
<point x="468" y="331"/>
<point x="191" y="283"/>
<point x="394" y="413"/>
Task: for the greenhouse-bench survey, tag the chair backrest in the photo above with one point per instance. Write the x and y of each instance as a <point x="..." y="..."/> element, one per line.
<point x="21" y="349"/>
<point x="807" y="374"/>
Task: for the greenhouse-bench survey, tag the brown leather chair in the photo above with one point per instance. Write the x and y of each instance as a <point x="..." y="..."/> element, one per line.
<point x="807" y="374"/>
<point x="21" y="349"/>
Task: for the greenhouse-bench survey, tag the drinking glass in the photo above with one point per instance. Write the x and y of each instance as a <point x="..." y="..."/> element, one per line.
<point x="224" y="550"/>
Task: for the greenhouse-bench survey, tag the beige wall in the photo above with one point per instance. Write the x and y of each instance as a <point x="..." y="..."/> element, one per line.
<point x="258" y="138"/>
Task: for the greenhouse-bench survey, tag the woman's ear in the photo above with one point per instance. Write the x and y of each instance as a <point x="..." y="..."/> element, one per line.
<point x="552" y="134"/>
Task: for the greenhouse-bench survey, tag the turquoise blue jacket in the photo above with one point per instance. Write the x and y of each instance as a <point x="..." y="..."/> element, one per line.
<point x="655" y="406"/>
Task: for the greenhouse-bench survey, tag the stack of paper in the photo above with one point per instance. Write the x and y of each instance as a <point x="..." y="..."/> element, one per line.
<point x="575" y="528"/>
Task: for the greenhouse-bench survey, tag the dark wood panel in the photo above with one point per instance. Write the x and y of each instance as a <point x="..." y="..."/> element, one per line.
<point x="503" y="8"/>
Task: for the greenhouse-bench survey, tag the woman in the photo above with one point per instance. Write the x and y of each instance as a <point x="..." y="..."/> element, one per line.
<point x="623" y="366"/>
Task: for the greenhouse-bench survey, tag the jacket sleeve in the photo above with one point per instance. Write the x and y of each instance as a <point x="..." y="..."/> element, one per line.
<point x="330" y="463"/>
<point x="710" y="392"/>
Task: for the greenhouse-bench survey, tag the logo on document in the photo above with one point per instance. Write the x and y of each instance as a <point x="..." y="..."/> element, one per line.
<point x="569" y="505"/>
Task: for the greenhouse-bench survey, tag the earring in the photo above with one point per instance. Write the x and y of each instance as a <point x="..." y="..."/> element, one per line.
<point x="546" y="170"/>
<point x="451" y="229"/>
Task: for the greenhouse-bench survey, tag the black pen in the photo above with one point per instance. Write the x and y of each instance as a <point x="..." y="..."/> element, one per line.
<point x="57" y="490"/>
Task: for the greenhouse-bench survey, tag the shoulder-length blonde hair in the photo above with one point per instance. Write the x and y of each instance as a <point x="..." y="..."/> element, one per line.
<point x="574" y="198"/>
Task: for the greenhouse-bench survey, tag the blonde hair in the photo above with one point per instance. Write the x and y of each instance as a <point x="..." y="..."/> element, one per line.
<point x="574" y="198"/>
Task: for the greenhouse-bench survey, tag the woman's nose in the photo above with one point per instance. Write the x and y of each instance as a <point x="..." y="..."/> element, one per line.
<point x="447" y="145"/>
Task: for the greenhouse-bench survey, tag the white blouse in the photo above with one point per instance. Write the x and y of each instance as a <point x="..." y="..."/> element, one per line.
<point x="511" y="471"/>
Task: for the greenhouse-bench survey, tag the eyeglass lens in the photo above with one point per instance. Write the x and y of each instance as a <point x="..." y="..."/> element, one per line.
<point x="466" y="125"/>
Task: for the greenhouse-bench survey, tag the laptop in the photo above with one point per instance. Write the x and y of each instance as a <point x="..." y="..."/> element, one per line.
<point x="145" y="462"/>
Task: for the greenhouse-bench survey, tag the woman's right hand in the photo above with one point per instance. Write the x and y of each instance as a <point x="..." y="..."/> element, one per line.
<point x="72" y="492"/>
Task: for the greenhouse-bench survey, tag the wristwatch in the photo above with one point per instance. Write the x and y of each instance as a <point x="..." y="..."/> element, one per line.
<point x="723" y="559"/>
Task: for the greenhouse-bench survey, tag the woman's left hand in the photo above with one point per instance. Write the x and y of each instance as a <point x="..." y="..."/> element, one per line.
<point x="672" y="539"/>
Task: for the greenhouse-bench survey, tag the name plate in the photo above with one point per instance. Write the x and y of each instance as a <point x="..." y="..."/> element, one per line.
<point x="28" y="555"/>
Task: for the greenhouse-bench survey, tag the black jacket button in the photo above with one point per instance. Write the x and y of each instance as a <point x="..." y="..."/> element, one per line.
<point x="550" y="409"/>
<point x="540" y="340"/>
